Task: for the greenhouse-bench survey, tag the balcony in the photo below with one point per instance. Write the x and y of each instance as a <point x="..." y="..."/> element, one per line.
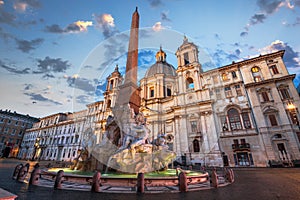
<point x="241" y="147"/>
<point x="43" y="145"/>
<point x="279" y="129"/>
<point x="60" y="144"/>
<point x="196" y="135"/>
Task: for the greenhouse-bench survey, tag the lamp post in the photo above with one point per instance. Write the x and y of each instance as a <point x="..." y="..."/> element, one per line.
<point x="36" y="144"/>
<point x="293" y="113"/>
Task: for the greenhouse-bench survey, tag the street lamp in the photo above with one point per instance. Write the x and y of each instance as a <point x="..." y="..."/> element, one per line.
<point x="291" y="106"/>
<point x="36" y="144"/>
<point x="293" y="113"/>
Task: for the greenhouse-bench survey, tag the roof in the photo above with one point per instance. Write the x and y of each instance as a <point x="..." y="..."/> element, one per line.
<point x="161" y="66"/>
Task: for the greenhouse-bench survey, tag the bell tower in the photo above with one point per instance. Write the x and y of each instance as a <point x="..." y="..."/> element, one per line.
<point x="113" y="81"/>
<point x="189" y="69"/>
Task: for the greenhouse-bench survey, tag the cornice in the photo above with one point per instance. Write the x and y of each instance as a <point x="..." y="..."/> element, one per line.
<point x="273" y="80"/>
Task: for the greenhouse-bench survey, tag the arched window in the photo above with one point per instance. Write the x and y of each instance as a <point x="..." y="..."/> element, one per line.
<point x="189" y="83"/>
<point x="273" y="120"/>
<point x="109" y="103"/>
<point x="169" y="91"/>
<point x="284" y="92"/>
<point x="111" y="85"/>
<point x="186" y="58"/>
<point x="224" y="77"/>
<point x="196" y="145"/>
<point x="234" y="119"/>
<point x="256" y="74"/>
<point x="151" y="91"/>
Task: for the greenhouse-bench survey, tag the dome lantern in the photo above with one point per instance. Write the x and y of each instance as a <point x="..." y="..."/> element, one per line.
<point x="161" y="56"/>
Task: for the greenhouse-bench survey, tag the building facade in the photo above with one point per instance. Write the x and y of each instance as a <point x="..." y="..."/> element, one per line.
<point x="12" y="129"/>
<point x="55" y="137"/>
<point x="242" y="114"/>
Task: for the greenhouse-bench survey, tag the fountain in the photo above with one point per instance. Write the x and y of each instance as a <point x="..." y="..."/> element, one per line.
<point x="126" y="146"/>
<point x="132" y="159"/>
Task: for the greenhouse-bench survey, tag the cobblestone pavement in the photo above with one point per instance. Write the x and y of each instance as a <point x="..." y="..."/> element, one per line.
<point x="250" y="183"/>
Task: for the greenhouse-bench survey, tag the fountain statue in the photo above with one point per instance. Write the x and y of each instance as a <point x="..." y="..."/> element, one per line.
<point x="126" y="146"/>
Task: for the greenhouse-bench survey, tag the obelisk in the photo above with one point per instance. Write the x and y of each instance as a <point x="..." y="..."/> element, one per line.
<point x="129" y="92"/>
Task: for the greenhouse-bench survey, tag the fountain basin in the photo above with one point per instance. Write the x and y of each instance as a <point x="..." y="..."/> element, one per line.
<point x="167" y="178"/>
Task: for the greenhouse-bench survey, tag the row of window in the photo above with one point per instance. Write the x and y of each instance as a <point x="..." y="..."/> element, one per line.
<point x="9" y="140"/>
<point x="2" y="120"/>
<point x="167" y="91"/>
<point x="235" y="120"/>
<point x="256" y="72"/>
<point x="225" y="76"/>
<point x="62" y="140"/>
<point x="53" y="153"/>
<point x="12" y="131"/>
<point x="266" y="96"/>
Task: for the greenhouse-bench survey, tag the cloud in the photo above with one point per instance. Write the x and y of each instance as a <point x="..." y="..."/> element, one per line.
<point x="114" y="47"/>
<point x="83" y="99"/>
<point x="54" y="28"/>
<point x="28" y="86"/>
<point x="296" y="23"/>
<point x="267" y="7"/>
<point x="4" y="35"/>
<point x="155" y="3"/>
<point x="23" y="5"/>
<point x="83" y="25"/>
<point x="76" y="27"/>
<point x="39" y="97"/>
<point x="100" y="89"/>
<point x="1" y="2"/>
<point x="14" y="70"/>
<point x="270" y="6"/>
<point x="26" y="46"/>
<point x="51" y="65"/>
<point x="105" y="22"/>
<point x="217" y="36"/>
<point x="146" y="57"/>
<point x="164" y="16"/>
<point x="20" y="6"/>
<point x="80" y="83"/>
<point x="294" y="3"/>
<point x="257" y="18"/>
<point x="6" y="17"/>
<point x="243" y="34"/>
<point x="157" y="26"/>
<point x="220" y="58"/>
<point x="47" y="76"/>
<point x="291" y="57"/>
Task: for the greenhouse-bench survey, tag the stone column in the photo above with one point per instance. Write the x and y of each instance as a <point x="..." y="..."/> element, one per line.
<point x="58" y="180"/>
<point x="35" y="175"/>
<point x="182" y="182"/>
<point x="16" y="171"/>
<point x="214" y="179"/>
<point x="96" y="182"/>
<point x="140" y="183"/>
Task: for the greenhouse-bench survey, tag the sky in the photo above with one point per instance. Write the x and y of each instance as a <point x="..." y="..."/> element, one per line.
<point x="55" y="55"/>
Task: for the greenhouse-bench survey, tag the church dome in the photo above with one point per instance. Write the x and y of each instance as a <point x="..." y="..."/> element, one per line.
<point x="161" y="66"/>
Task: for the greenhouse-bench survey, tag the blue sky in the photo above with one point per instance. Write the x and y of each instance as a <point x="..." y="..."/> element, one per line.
<point x="55" y="55"/>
